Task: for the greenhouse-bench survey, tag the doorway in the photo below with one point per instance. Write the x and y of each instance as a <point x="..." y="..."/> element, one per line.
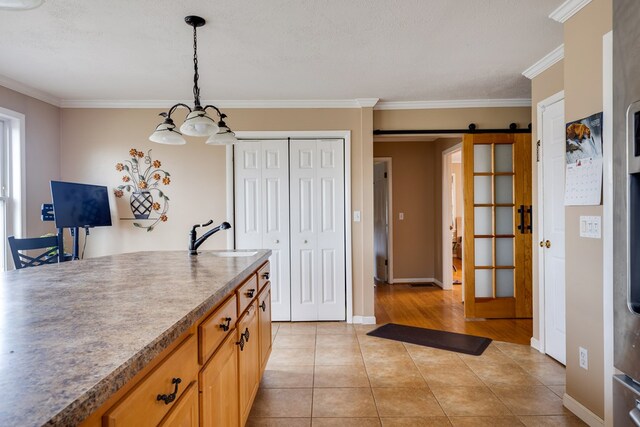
<point x="382" y="237"/>
<point x="452" y="217"/>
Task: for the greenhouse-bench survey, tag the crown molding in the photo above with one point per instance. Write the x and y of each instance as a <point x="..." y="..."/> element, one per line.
<point x="29" y="91"/>
<point x="547" y="61"/>
<point x="463" y="103"/>
<point x="163" y="104"/>
<point x="567" y="9"/>
<point x="367" y="102"/>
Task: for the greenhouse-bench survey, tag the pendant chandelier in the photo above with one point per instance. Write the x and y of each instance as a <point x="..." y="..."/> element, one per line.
<point x="197" y="122"/>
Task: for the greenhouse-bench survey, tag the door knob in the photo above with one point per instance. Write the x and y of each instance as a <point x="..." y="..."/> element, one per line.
<point x="277" y="241"/>
<point x="306" y="241"/>
<point x="547" y="244"/>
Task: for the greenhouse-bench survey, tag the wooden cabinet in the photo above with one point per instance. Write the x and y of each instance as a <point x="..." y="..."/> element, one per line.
<point x="216" y="327"/>
<point x="264" y="275"/>
<point x="248" y="359"/>
<point x="264" y="318"/>
<point x="219" y="386"/>
<point x="185" y="413"/>
<point x="247" y="293"/>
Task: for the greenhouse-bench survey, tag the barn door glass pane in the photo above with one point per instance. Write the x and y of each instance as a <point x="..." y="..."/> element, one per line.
<point x="504" y="189"/>
<point x="482" y="158"/>
<point x="482" y="190"/>
<point x="504" y="158"/>
<point x="482" y="221"/>
<point x="484" y="283"/>
<point x="504" y="283"/>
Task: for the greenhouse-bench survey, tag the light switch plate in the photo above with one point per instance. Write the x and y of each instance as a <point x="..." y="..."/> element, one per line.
<point x="356" y="216"/>
<point x="401" y="216"/>
<point x="590" y="227"/>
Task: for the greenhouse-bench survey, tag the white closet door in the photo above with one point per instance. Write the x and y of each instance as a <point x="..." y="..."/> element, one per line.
<point x="262" y="212"/>
<point x="317" y="230"/>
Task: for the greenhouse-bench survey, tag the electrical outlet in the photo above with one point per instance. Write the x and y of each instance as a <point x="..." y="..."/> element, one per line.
<point x="584" y="358"/>
<point x="401" y="216"/>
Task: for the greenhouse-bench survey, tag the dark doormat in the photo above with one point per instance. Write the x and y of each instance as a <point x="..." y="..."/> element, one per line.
<point x="461" y="343"/>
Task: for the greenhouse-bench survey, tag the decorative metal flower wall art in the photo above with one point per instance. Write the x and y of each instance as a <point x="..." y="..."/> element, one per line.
<point x="143" y="177"/>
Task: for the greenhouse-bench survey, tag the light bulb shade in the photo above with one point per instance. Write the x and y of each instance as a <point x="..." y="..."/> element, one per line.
<point x="198" y="123"/>
<point x="222" y="138"/>
<point x="165" y="133"/>
<point x="20" y="4"/>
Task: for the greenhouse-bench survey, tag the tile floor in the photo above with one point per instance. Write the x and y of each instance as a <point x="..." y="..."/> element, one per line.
<point x="333" y="374"/>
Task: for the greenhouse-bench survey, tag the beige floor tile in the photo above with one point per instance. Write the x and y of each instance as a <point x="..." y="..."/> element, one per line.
<point x="338" y="356"/>
<point x="282" y="403"/>
<point x="446" y="375"/>
<point x="274" y="329"/>
<point x="365" y="329"/>
<point x="335" y="328"/>
<point x="416" y="422"/>
<point x="530" y="400"/>
<point x="406" y="402"/>
<point x="548" y="373"/>
<point x="389" y="352"/>
<point x="340" y="340"/>
<point x="501" y="373"/>
<point x="346" y="422"/>
<point x="340" y="376"/>
<point x="367" y="339"/>
<point x="297" y="328"/>
<point x="423" y="354"/>
<point x="394" y="374"/>
<point x="291" y="356"/>
<point x="278" y="422"/>
<point x="522" y="353"/>
<point x="559" y="390"/>
<point x="288" y="376"/>
<point x="294" y="341"/>
<point x="469" y="401"/>
<point x="553" y="421"/>
<point x="343" y="403"/>
<point x="492" y="354"/>
<point x="508" y="421"/>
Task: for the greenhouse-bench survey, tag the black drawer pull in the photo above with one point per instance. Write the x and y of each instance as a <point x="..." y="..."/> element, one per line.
<point x="265" y="275"/>
<point x="263" y="306"/>
<point x="250" y="293"/>
<point x="246" y="334"/>
<point x="168" y="398"/>
<point x="241" y="342"/>
<point x="225" y="326"/>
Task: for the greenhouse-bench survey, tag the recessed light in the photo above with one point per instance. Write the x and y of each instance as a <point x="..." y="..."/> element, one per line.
<point x="20" y="4"/>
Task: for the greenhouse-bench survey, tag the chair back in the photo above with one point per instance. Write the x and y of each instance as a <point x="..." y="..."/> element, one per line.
<point x="22" y="260"/>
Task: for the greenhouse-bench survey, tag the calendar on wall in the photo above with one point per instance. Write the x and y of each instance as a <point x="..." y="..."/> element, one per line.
<point x="583" y="174"/>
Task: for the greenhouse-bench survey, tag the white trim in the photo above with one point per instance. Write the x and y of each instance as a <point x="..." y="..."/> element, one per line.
<point x="231" y="237"/>
<point x="542" y="105"/>
<point x="389" y="162"/>
<point x="364" y="320"/>
<point x="29" y="91"/>
<point x="607" y="223"/>
<point x="567" y="9"/>
<point x="367" y="102"/>
<point x="447" y="253"/>
<point x="340" y="134"/>
<point x="581" y="411"/>
<point x="551" y="58"/>
<point x="164" y="104"/>
<point x="461" y="103"/>
<point x="536" y="344"/>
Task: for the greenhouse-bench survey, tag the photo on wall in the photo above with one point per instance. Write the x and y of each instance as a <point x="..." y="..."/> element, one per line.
<point x="583" y="173"/>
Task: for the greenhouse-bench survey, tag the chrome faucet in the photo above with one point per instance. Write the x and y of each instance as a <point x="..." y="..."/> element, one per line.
<point x="194" y="243"/>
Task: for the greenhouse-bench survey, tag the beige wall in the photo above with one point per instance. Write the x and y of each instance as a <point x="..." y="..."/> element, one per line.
<point x="583" y="97"/>
<point x="548" y="83"/>
<point x="42" y="154"/>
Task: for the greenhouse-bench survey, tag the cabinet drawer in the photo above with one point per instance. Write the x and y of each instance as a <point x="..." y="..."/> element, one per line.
<point x="213" y="330"/>
<point x="264" y="275"/>
<point x="247" y="293"/>
<point x="141" y="406"/>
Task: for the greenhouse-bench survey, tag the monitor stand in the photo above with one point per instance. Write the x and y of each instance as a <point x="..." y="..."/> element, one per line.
<point x="75" y="233"/>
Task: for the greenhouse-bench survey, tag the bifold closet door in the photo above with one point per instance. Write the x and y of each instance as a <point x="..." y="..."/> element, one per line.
<point x="317" y="230"/>
<point x="262" y="211"/>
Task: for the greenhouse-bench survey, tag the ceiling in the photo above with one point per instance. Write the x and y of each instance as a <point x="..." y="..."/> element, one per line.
<point x="395" y="50"/>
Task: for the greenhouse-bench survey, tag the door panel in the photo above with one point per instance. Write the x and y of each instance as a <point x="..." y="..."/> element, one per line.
<point x="497" y="237"/>
<point x="380" y="220"/>
<point x="553" y="258"/>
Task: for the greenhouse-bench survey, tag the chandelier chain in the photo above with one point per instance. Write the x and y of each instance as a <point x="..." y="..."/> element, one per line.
<point x="196" y="89"/>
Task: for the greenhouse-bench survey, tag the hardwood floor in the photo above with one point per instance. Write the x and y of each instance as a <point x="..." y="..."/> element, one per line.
<point x="431" y="307"/>
<point x="457" y="273"/>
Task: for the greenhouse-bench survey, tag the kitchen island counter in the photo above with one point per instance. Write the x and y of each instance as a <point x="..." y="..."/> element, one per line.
<point x="72" y="334"/>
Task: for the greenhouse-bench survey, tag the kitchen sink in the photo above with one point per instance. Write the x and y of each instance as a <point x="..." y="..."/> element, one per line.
<point x="234" y="254"/>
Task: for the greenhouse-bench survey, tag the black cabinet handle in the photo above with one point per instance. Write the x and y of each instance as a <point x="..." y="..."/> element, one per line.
<point x="263" y="306"/>
<point x="246" y="334"/>
<point x="225" y="326"/>
<point x="241" y="342"/>
<point x="168" y="398"/>
<point x="265" y="275"/>
<point x="250" y="293"/>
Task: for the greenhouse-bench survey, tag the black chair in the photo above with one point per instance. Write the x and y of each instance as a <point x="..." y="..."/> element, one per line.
<point x="22" y="260"/>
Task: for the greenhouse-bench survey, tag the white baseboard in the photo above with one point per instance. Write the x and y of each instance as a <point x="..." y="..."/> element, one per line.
<point x="535" y="343"/>
<point x="581" y="412"/>
<point x="364" y="320"/>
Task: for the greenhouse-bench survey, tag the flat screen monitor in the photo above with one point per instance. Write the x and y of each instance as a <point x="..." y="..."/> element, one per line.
<point x="80" y="205"/>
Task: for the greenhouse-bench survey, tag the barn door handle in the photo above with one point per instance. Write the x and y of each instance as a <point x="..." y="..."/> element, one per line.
<point x="530" y="225"/>
<point x="521" y="226"/>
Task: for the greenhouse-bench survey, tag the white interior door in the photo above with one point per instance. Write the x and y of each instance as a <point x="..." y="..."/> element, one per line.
<point x="262" y="212"/>
<point x="380" y="220"/>
<point x="317" y="230"/>
<point x="553" y="257"/>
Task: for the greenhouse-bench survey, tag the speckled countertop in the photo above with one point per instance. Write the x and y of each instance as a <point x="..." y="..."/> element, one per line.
<point x="72" y="334"/>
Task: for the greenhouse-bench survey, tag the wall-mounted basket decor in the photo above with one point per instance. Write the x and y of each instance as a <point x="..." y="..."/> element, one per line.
<point x="143" y="178"/>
